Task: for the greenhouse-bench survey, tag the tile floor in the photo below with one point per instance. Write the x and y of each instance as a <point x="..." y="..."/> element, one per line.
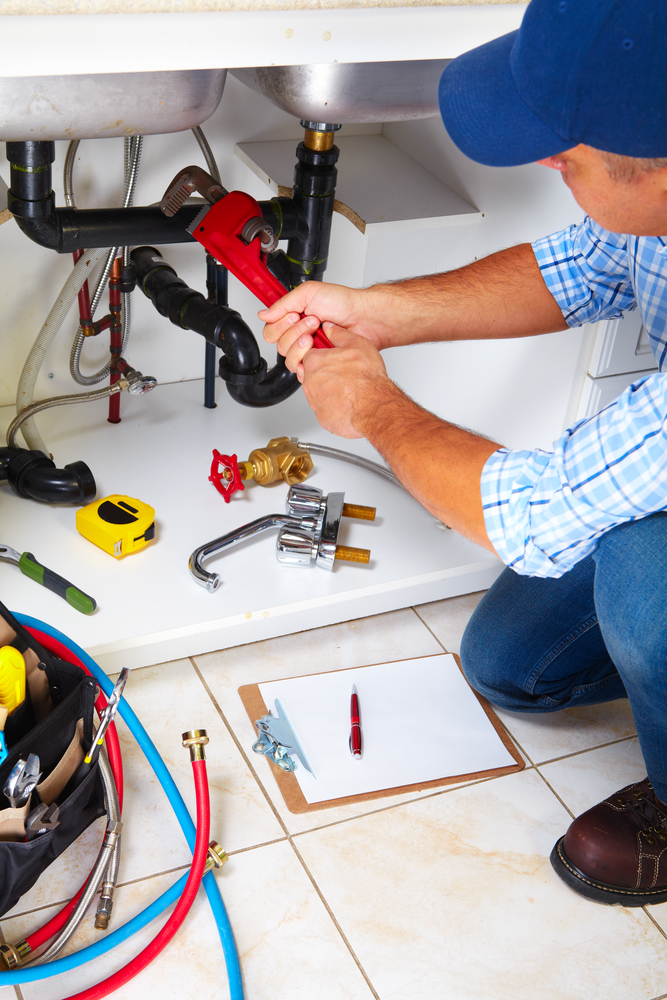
<point x="440" y="894"/>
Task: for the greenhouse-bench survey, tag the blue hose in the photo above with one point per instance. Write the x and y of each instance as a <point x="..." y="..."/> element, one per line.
<point x="100" y="947"/>
<point x="212" y="891"/>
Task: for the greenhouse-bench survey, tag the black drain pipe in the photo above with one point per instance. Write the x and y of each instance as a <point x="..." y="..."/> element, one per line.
<point x="32" y="203"/>
<point x="241" y="366"/>
<point x="33" y="475"/>
<point x="313" y="195"/>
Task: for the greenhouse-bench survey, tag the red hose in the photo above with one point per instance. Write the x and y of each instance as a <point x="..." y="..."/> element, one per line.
<point x="162" y="939"/>
<point x="51" y="928"/>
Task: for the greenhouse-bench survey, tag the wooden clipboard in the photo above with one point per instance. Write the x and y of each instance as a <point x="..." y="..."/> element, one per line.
<point x="295" y="801"/>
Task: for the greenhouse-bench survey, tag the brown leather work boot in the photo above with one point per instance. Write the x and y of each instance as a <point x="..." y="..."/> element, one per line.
<point x="617" y="851"/>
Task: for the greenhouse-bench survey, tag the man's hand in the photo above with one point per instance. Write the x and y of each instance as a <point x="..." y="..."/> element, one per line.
<point x="292" y="321"/>
<point x="344" y="386"/>
<point x="352" y="396"/>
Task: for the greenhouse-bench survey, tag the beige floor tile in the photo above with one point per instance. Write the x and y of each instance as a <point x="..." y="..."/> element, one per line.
<point x="397" y="635"/>
<point x="587" y="778"/>
<point x="448" y="619"/>
<point x="454" y="897"/>
<point x="169" y="699"/>
<point x="555" y="734"/>
<point x="288" y="945"/>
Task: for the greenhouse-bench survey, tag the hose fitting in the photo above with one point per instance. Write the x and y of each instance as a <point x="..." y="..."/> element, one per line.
<point x="105" y="906"/>
<point x="216" y="858"/>
<point x="12" y="955"/>
<point x="195" y="740"/>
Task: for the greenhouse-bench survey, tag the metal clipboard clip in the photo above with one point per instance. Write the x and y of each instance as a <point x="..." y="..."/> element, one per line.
<point x="278" y="742"/>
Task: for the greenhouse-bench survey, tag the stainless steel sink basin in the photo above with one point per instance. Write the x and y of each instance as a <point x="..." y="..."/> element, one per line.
<point x="113" y="104"/>
<point x="351" y="93"/>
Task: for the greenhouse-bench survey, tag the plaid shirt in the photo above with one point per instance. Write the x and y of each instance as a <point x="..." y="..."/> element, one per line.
<point x="545" y="510"/>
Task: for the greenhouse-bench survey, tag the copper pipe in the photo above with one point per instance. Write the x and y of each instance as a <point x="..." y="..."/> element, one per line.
<point x="116" y="336"/>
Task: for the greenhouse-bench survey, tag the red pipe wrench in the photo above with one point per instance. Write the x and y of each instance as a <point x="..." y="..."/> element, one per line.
<point x="219" y="230"/>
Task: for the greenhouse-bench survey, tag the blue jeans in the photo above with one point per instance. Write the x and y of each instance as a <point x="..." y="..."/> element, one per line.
<point x="595" y="634"/>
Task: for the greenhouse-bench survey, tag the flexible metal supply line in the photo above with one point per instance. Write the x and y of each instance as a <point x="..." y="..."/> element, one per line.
<point x="208" y="153"/>
<point x="106" y="864"/>
<point x="45" y="404"/>
<point x="347" y="456"/>
<point x="132" y="151"/>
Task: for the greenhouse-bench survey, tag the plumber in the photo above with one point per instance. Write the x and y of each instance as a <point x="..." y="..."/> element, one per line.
<point x="579" y="614"/>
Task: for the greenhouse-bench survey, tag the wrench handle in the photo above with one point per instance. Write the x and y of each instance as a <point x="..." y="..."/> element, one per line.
<point x="57" y="584"/>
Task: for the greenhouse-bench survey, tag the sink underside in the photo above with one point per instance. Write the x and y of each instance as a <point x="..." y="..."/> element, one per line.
<point x="352" y="93"/>
<point x="106" y="105"/>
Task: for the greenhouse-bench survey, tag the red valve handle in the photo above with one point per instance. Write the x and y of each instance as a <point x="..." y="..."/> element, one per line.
<point x="219" y="232"/>
<point x="225" y="475"/>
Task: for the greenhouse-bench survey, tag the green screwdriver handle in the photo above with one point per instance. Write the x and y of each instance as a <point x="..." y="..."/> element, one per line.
<point x="63" y="588"/>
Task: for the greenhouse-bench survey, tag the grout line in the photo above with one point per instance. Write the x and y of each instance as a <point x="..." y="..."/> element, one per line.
<point x="239" y="747"/>
<point x="552" y="789"/>
<point x="444" y="790"/>
<point x="429" y="629"/>
<point x="327" y="907"/>
<point x="660" y="930"/>
<point x="579" y="753"/>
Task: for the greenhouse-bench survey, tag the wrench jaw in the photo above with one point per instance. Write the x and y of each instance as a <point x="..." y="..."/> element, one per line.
<point x="8" y="554"/>
<point x="22" y="781"/>
<point x="42" y="819"/>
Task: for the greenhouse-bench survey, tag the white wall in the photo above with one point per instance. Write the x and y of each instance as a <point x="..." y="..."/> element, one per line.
<point x="518" y="391"/>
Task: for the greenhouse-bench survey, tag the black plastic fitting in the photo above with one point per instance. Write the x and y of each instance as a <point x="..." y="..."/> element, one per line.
<point x="242" y="366"/>
<point x="31" y="201"/>
<point x="34" y="475"/>
<point x="313" y="196"/>
<point x="284" y="218"/>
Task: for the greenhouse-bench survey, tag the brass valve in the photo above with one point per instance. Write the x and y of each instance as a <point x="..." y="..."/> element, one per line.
<point x="280" y="459"/>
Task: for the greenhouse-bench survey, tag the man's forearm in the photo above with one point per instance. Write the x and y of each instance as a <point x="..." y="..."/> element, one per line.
<point x="503" y="295"/>
<point x="439" y="463"/>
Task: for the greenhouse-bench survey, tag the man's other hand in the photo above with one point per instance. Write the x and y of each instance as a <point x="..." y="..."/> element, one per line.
<point x="345" y="385"/>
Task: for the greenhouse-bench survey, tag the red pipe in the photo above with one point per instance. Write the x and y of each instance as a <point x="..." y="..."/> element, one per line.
<point x="162" y="939"/>
<point x="116" y="336"/>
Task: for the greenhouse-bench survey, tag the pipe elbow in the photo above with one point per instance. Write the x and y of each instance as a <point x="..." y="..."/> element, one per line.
<point x="33" y="475"/>
<point x="277" y="385"/>
<point x="42" y="227"/>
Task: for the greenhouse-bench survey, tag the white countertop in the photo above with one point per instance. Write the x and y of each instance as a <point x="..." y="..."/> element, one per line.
<point x="151" y="36"/>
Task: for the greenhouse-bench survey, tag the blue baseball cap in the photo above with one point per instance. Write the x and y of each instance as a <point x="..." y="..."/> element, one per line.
<point x="589" y="71"/>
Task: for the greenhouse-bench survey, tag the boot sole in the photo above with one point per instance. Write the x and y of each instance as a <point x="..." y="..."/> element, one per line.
<point x="601" y="892"/>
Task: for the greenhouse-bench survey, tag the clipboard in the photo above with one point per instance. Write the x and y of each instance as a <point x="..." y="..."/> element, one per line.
<point x="289" y="787"/>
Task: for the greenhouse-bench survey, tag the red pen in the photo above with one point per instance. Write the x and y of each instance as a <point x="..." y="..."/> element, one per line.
<point x="355" y="725"/>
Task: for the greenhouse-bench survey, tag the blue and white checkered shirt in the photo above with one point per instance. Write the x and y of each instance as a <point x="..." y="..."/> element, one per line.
<point x="545" y="510"/>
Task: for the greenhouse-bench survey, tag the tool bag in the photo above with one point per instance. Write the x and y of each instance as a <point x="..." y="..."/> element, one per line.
<point x="55" y="721"/>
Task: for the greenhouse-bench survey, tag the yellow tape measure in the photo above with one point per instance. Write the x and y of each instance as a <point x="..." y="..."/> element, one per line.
<point x="118" y="524"/>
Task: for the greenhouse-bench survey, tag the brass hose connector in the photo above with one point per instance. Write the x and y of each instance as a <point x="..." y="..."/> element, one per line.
<point x="217" y="857"/>
<point x="195" y="740"/>
<point x="12" y="955"/>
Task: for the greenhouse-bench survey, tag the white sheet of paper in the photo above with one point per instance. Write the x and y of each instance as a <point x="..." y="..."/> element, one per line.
<point x="420" y="722"/>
